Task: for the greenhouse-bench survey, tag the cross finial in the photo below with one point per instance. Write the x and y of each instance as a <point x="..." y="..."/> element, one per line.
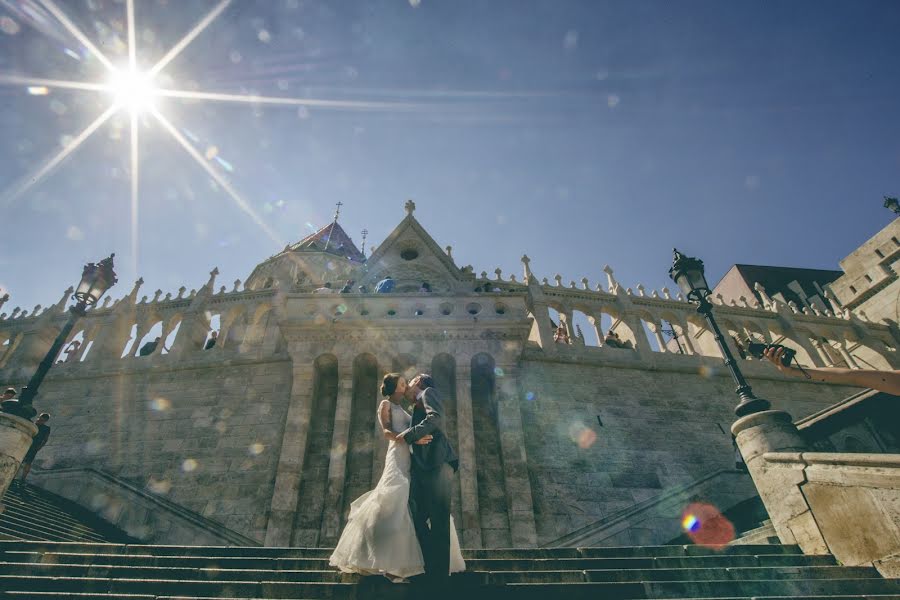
<point x="365" y="233"/>
<point x="337" y="212"/>
<point x="410" y="207"/>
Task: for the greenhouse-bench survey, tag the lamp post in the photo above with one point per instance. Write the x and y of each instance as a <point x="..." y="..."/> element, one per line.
<point x="892" y="204"/>
<point x="95" y="280"/>
<point x="688" y="274"/>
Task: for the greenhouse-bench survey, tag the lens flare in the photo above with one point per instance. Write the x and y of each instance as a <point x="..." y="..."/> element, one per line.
<point x="706" y="526"/>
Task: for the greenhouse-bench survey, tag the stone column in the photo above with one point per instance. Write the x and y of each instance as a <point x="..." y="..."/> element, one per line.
<point x="684" y="338"/>
<point x="337" y="466"/>
<point x="566" y="317"/>
<point x="779" y="487"/>
<point x="290" y="462"/>
<point x="15" y="440"/>
<point x="520" y="506"/>
<point x="468" y="478"/>
<point x="598" y="329"/>
<point x="848" y="358"/>
<point x="657" y="333"/>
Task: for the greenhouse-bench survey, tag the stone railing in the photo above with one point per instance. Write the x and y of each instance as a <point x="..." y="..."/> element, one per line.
<point x="851" y="501"/>
<point x="649" y="322"/>
<point x="142" y="515"/>
<point x="657" y="520"/>
<point x="126" y="329"/>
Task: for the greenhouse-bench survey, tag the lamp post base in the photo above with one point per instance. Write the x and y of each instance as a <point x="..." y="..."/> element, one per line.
<point x="14" y="407"/>
<point x="750" y="405"/>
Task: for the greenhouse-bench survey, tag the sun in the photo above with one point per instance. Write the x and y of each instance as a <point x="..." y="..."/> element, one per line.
<point x="132" y="89"/>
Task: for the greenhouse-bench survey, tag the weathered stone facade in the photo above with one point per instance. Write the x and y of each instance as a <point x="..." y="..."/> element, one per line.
<point x="270" y="433"/>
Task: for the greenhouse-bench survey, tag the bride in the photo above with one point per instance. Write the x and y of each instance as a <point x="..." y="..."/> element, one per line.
<point x="379" y="538"/>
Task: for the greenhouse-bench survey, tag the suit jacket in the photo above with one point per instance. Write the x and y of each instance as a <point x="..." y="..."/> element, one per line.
<point x="428" y="418"/>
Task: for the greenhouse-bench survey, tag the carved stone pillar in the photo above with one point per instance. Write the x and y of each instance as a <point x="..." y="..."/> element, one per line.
<point x="848" y="358"/>
<point x="16" y="434"/>
<point x="520" y="506"/>
<point x="598" y="328"/>
<point x="337" y="467"/>
<point x="468" y="478"/>
<point x="290" y="462"/>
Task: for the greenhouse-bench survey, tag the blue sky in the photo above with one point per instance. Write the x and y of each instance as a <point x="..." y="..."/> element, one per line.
<point x="583" y="133"/>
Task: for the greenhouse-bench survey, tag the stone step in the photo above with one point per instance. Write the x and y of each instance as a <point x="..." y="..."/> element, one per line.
<point x="481" y="564"/>
<point x="736" y="574"/>
<point x="42" y="524"/>
<point x="41" y="509"/>
<point x="508" y="553"/>
<point x="180" y="587"/>
<point x="697" y="589"/>
<point x="517" y="585"/>
<point x="185" y="573"/>
<point x="33" y="513"/>
<point x="19" y="595"/>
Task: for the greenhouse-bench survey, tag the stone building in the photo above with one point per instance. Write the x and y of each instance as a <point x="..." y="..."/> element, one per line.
<point x="266" y="435"/>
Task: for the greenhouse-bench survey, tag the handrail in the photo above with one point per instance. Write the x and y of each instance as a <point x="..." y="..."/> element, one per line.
<point x="636" y="509"/>
<point x="166" y="505"/>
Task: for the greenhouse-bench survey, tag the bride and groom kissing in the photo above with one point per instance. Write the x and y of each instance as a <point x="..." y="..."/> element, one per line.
<point x="403" y="527"/>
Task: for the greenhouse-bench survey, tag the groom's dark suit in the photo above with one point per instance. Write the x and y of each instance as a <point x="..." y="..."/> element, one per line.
<point x="431" y="482"/>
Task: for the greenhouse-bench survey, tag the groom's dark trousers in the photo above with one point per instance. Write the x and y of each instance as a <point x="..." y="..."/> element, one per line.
<point x="431" y="482"/>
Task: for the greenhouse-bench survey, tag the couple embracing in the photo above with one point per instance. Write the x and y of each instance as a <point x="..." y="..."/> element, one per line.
<point x="403" y="527"/>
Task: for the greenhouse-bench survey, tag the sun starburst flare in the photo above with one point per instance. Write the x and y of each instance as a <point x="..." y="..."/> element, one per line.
<point x="133" y="91"/>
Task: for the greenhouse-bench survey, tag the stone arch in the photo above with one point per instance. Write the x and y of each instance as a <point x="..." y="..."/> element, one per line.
<point x="131" y="342"/>
<point x="233" y="327"/>
<point x="614" y="321"/>
<point x="702" y="337"/>
<point x="869" y="352"/>
<point x="314" y="477"/>
<point x="72" y="349"/>
<point x="584" y="325"/>
<point x="675" y="333"/>
<point x="800" y="340"/>
<point x="145" y="346"/>
<point x="488" y="455"/>
<point x="363" y="409"/>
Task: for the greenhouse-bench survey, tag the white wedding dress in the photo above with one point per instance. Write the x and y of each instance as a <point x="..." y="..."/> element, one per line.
<point x="379" y="538"/>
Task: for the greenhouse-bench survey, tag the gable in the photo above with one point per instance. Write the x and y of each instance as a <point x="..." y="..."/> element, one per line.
<point x="411" y="256"/>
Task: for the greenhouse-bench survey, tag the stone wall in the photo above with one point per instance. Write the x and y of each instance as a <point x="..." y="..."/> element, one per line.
<point x="206" y="437"/>
<point x="660" y="430"/>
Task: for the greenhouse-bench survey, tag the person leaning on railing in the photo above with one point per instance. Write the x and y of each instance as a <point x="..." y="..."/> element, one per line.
<point x="883" y="381"/>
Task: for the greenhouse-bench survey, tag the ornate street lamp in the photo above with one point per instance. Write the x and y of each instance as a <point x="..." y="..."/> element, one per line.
<point x="688" y="274"/>
<point x="95" y="280"/>
<point x="892" y="204"/>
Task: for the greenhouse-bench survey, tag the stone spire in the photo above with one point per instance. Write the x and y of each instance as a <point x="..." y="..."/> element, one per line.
<point x="526" y="262"/>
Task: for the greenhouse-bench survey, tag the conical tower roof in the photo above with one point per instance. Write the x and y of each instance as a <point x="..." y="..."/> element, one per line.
<point x="331" y="239"/>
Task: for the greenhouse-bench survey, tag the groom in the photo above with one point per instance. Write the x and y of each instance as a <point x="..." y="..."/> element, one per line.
<point x="433" y="466"/>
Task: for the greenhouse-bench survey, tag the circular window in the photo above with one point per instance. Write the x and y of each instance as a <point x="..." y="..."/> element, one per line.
<point x="500" y="308"/>
<point x="474" y="308"/>
<point x="419" y="312"/>
<point x="391" y="312"/>
<point x="409" y="254"/>
<point x="363" y="312"/>
<point x="446" y="308"/>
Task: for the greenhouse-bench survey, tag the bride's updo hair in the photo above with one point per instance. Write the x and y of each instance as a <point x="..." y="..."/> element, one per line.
<point x="389" y="384"/>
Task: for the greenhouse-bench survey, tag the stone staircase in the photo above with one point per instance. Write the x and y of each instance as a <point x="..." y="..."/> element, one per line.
<point x="94" y="571"/>
<point x="30" y="513"/>
<point x="763" y="534"/>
